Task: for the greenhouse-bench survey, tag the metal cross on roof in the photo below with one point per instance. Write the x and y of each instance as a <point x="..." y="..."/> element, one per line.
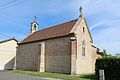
<point x="35" y="18"/>
<point x="81" y="11"/>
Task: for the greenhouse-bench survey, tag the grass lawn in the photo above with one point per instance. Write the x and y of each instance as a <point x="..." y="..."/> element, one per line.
<point x="56" y="75"/>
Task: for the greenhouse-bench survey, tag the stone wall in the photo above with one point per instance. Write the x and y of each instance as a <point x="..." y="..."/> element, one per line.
<point x="94" y="56"/>
<point x="27" y="56"/>
<point x="84" y="64"/>
<point x="57" y="55"/>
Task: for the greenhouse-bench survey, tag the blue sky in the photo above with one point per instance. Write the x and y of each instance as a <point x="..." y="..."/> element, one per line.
<point x="103" y="18"/>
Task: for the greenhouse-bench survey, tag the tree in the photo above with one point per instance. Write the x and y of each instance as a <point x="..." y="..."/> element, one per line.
<point x="104" y="53"/>
<point x="118" y="54"/>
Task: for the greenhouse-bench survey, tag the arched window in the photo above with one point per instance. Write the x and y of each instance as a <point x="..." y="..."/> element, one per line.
<point x="83" y="48"/>
<point x="35" y="27"/>
<point x="83" y="29"/>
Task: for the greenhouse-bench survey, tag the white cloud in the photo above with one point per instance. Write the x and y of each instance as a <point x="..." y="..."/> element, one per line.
<point x="96" y="25"/>
<point x="108" y="39"/>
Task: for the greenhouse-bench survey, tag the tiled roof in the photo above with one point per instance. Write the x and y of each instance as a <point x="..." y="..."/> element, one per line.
<point x="51" y="32"/>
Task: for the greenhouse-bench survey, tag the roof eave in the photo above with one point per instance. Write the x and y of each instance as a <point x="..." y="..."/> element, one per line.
<point x="43" y="39"/>
<point x="9" y="40"/>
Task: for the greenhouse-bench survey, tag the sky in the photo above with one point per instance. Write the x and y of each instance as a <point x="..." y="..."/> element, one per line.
<point x="102" y="16"/>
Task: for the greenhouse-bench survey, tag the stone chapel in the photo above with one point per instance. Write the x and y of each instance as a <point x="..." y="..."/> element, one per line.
<point x="63" y="48"/>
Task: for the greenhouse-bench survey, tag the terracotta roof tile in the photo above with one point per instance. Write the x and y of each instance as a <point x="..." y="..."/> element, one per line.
<point x="51" y="32"/>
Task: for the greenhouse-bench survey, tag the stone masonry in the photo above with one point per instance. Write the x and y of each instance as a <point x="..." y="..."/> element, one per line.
<point x="57" y="56"/>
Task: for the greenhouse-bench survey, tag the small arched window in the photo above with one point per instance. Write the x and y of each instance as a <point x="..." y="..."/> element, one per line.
<point x="83" y="29"/>
<point x="35" y="27"/>
<point x="83" y="48"/>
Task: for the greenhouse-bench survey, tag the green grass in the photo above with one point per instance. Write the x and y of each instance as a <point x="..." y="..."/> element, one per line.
<point x="88" y="76"/>
<point x="55" y="75"/>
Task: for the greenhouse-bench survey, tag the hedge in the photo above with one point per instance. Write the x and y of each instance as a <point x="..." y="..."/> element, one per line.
<point x="111" y="67"/>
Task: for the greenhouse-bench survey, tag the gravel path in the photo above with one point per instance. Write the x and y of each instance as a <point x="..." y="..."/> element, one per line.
<point x="4" y="75"/>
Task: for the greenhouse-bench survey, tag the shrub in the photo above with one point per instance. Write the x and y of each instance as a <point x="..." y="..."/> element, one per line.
<point x="111" y="67"/>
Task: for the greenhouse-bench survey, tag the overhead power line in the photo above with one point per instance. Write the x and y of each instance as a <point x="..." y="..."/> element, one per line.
<point x="8" y="3"/>
<point x="22" y="1"/>
<point x="5" y="35"/>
